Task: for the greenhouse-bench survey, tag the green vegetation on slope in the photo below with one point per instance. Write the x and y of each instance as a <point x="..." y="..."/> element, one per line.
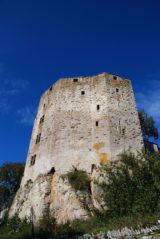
<point x="131" y="194"/>
<point x="133" y="186"/>
<point x="48" y="229"/>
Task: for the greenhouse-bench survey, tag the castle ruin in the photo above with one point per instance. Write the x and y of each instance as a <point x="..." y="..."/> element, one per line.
<point x="81" y="122"/>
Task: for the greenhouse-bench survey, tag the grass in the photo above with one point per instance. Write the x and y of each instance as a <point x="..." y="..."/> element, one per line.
<point x="16" y="229"/>
<point x="105" y="223"/>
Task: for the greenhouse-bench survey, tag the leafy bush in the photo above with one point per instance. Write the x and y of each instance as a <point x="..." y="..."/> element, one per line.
<point x="69" y="230"/>
<point x="15" y="229"/>
<point x="133" y="185"/>
<point x="46" y="227"/>
<point x="79" y="180"/>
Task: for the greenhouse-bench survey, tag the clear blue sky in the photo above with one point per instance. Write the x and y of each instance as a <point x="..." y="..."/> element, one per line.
<point x="41" y="41"/>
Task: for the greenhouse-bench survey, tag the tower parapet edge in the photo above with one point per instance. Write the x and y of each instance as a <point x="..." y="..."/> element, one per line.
<point x="83" y="121"/>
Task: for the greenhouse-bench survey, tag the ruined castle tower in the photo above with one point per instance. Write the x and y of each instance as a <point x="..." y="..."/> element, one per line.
<point x="81" y="122"/>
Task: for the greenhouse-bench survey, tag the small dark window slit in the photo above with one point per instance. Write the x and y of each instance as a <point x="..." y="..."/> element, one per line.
<point x="82" y="92"/>
<point x="117" y="90"/>
<point x="42" y="119"/>
<point x="33" y="159"/>
<point x="97" y="123"/>
<point x="98" y="107"/>
<point x="93" y="167"/>
<point x="75" y="80"/>
<point x="115" y="77"/>
<point x="38" y="138"/>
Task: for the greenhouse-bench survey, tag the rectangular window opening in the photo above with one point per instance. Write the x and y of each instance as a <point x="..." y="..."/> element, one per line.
<point x="82" y="92"/>
<point x="75" y="80"/>
<point x="42" y="119"/>
<point x="33" y="159"/>
<point x="93" y="166"/>
<point x="98" y="107"/>
<point x="97" y="123"/>
<point x="115" y="77"/>
<point x="38" y="138"/>
<point x="117" y="90"/>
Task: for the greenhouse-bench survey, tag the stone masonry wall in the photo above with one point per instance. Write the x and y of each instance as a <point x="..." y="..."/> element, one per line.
<point x="81" y="122"/>
<point x="69" y="135"/>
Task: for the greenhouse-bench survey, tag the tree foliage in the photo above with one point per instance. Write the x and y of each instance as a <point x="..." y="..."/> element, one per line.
<point x="133" y="185"/>
<point x="10" y="178"/>
<point x="4" y="195"/>
<point x="148" y="125"/>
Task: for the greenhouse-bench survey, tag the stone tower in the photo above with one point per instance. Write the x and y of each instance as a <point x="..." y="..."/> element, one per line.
<point x="81" y="122"/>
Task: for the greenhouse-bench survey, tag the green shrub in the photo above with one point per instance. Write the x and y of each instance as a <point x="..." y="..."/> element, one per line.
<point x="67" y="230"/>
<point x="133" y="185"/>
<point x="46" y="227"/>
<point x="15" y="229"/>
<point x="79" y="180"/>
